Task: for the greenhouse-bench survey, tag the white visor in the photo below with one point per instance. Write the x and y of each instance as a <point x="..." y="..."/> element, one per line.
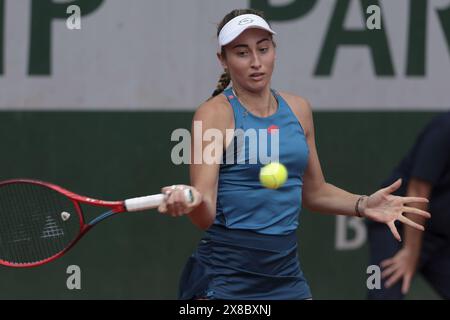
<point x="236" y="26"/>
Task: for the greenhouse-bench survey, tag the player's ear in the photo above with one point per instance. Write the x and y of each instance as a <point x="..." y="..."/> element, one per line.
<point x="222" y="60"/>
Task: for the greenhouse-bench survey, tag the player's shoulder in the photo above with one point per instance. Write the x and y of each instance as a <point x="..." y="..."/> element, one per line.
<point x="215" y="110"/>
<point x="301" y="107"/>
<point x="298" y="103"/>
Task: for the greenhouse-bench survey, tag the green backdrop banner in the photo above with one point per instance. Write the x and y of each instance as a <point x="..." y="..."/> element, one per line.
<point x="160" y="55"/>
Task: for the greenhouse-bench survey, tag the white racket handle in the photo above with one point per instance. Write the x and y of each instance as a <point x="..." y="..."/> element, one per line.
<point x="152" y="202"/>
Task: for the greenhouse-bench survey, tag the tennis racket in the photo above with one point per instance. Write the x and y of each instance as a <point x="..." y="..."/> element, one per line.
<point x="40" y="221"/>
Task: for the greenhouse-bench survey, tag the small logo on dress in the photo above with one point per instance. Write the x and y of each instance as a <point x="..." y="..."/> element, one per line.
<point x="272" y="128"/>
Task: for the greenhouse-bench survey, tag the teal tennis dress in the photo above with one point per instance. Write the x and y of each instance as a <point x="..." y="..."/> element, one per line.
<point x="250" y="252"/>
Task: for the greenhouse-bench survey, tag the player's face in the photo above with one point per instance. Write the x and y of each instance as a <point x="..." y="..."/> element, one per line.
<point x="250" y="59"/>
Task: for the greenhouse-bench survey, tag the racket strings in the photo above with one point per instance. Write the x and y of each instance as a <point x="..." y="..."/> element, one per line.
<point x="32" y="228"/>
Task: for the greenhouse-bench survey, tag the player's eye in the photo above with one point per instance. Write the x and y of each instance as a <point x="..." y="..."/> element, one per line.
<point x="264" y="50"/>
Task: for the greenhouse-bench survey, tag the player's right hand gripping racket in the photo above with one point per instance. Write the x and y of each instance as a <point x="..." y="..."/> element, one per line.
<point x="40" y="221"/>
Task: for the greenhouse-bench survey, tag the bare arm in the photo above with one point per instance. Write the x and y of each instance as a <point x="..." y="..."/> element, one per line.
<point x="208" y="129"/>
<point x="320" y="196"/>
<point x="204" y="177"/>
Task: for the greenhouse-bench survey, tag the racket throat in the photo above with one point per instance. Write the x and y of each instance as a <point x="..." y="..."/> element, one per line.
<point x="100" y="218"/>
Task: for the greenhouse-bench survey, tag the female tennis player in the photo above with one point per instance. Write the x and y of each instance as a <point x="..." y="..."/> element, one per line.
<point x="249" y="250"/>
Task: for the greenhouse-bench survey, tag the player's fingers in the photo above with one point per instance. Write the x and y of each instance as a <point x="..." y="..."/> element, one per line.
<point x="174" y="209"/>
<point x="176" y="214"/>
<point x="179" y="205"/>
<point x="179" y="209"/>
<point x="167" y="190"/>
<point x="415" y="200"/>
<point x="186" y="198"/>
<point x="394" y="231"/>
<point x="162" y="207"/>
<point x="171" y="212"/>
<point x="179" y="214"/>
<point x="182" y="204"/>
<point x="180" y="197"/>
<point x="174" y="202"/>
<point x="417" y="211"/>
<point x="411" y="223"/>
<point x="170" y="198"/>
<point x="180" y="193"/>
<point x="169" y="201"/>
<point x="393" y="187"/>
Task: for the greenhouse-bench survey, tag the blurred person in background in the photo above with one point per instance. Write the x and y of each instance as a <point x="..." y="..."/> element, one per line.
<point x="425" y="171"/>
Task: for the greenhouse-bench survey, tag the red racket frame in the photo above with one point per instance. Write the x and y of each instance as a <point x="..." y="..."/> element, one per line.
<point x="114" y="206"/>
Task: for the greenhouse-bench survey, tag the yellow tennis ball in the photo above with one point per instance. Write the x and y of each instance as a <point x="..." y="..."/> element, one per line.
<point x="273" y="175"/>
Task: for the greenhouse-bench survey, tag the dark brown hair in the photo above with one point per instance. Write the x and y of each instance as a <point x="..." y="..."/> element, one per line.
<point x="225" y="79"/>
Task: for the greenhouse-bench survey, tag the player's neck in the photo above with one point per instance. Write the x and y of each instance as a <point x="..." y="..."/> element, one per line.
<point x="262" y="104"/>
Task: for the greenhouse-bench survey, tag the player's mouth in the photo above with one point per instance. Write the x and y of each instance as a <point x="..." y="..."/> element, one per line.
<point x="257" y="76"/>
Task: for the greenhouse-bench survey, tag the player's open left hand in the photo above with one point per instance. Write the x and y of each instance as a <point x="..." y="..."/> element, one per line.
<point x="176" y="203"/>
<point x="386" y="208"/>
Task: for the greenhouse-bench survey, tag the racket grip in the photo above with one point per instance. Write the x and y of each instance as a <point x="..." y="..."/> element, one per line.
<point x="151" y="202"/>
